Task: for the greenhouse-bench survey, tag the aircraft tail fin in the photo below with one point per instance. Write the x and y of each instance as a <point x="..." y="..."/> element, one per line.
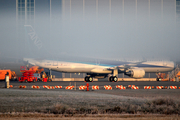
<point x="34" y="44"/>
<point x="31" y="34"/>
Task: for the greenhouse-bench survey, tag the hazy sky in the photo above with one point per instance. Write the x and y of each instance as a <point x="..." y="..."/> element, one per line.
<point x="98" y="30"/>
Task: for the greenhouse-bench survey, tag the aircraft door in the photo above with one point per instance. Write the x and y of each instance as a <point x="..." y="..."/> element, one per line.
<point x="55" y="63"/>
<point x="164" y="63"/>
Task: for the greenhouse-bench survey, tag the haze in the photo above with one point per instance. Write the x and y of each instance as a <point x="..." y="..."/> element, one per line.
<point x="117" y="29"/>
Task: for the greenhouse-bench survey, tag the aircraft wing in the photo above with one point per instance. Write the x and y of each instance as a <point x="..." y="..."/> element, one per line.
<point x="126" y="66"/>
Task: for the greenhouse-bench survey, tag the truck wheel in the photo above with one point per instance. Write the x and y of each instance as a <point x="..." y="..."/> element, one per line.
<point x="34" y="80"/>
<point x="90" y="79"/>
<point x="115" y="79"/>
<point x="111" y="79"/>
<point x="25" y="81"/>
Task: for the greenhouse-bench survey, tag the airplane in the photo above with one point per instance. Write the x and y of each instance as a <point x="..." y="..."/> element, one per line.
<point x="104" y="68"/>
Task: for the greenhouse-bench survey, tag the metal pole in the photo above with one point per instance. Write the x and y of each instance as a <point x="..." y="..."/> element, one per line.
<point x="63" y="9"/>
<point x="25" y="12"/>
<point x="136" y="10"/>
<point x="84" y="74"/>
<point x="16" y="13"/>
<point x="50" y="10"/>
<point x="70" y="9"/>
<point x="97" y="10"/>
<point x="162" y="8"/>
<point x="110" y="9"/>
<point x="149" y="8"/>
<point x="162" y="21"/>
<point x="17" y="26"/>
<point x="7" y="81"/>
<point x="63" y="75"/>
<point x="123" y="9"/>
<point x="75" y="85"/>
<point x="123" y="76"/>
<point x="50" y="17"/>
<point x="50" y="74"/>
<point x="83" y="8"/>
<point x="34" y="12"/>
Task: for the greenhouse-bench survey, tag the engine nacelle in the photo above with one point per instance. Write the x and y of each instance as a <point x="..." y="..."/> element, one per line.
<point x="135" y="73"/>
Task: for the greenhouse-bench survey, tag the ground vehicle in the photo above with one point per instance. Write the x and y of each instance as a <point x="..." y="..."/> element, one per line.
<point x="27" y="79"/>
<point x="33" y="74"/>
<point x="40" y="73"/>
<point x="11" y="74"/>
<point x="162" y="77"/>
<point x="45" y="75"/>
<point x="36" y="69"/>
<point x="168" y="77"/>
<point x="27" y="75"/>
<point x="178" y="75"/>
<point x="38" y="76"/>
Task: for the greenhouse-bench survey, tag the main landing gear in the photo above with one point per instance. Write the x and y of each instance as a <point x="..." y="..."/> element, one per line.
<point x="88" y="79"/>
<point x="113" y="79"/>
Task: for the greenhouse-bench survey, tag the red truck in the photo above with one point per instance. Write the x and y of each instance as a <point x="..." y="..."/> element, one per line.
<point x="27" y="75"/>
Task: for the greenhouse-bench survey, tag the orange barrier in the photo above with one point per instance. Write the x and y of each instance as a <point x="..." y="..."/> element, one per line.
<point x="117" y="86"/>
<point x="95" y="87"/>
<point x="159" y="87"/>
<point x="135" y="87"/>
<point x="107" y="87"/>
<point x="50" y="87"/>
<point x="120" y="87"/>
<point x="58" y="86"/>
<point x="172" y="87"/>
<point x="22" y="86"/>
<point x="147" y="87"/>
<point x="45" y="86"/>
<point x="69" y="87"/>
<point x="35" y="87"/>
<point x="82" y="87"/>
<point x="131" y="85"/>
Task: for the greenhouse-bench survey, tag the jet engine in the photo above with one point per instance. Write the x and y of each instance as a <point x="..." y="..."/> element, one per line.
<point x="135" y="73"/>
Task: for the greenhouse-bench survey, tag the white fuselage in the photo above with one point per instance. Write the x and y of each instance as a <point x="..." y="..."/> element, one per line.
<point x="75" y="67"/>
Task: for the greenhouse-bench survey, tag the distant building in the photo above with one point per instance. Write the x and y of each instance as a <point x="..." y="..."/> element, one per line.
<point x="28" y="12"/>
<point x="25" y="15"/>
<point x="25" y="11"/>
<point x="178" y="11"/>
